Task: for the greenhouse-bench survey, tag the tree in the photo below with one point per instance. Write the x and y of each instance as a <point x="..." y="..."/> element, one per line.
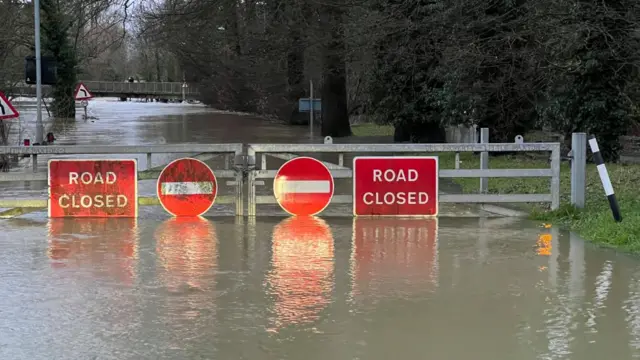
<point x="598" y="72"/>
<point x="55" y="30"/>
<point x="335" y="111"/>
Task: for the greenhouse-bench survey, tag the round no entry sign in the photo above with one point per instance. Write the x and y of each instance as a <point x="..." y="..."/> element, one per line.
<point x="187" y="187"/>
<point x="303" y="186"/>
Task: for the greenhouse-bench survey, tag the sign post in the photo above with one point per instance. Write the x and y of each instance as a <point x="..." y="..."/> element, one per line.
<point x="7" y="111"/>
<point x="187" y="187"/>
<point x="303" y="186"/>
<point x="82" y="94"/>
<point x="93" y="188"/>
<point x="395" y="186"/>
<point x="310" y="105"/>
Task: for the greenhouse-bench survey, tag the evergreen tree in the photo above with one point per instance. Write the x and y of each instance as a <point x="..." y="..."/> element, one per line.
<point x="55" y="30"/>
<point x="604" y="73"/>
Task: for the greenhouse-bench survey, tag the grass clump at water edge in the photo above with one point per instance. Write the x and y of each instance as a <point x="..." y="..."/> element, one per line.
<point x="594" y="223"/>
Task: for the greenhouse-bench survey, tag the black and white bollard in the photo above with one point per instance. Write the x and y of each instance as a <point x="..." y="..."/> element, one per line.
<point x="604" y="177"/>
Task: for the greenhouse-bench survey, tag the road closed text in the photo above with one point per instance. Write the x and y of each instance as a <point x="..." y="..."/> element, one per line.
<point x="400" y="197"/>
<point x="395" y="186"/>
<point x="93" y="188"/>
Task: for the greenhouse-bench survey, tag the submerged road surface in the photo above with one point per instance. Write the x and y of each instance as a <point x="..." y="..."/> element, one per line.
<point x="310" y="288"/>
<point x="294" y="288"/>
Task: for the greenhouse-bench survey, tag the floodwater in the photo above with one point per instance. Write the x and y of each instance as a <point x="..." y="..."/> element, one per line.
<point x="112" y="122"/>
<point x="310" y="288"/>
<point x="274" y="287"/>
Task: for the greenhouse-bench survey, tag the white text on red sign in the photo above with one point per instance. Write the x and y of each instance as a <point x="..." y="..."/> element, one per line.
<point x="400" y="198"/>
<point x="88" y="201"/>
<point x="395" y="186"/>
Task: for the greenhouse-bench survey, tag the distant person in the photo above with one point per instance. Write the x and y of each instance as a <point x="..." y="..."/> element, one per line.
<point x="50" y="138"/>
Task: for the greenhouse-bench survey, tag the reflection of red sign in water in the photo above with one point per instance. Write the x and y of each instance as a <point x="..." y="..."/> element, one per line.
<point x="303" y="186"/>
<point x="187" y="251"/>
<point x="187" y="187"/>
<point x="302" y="275"/>
<point x="392" y="254"/>
<point x="399" y="186"/>
<point x="102" y="245"/>
<point x="93" y="188"/>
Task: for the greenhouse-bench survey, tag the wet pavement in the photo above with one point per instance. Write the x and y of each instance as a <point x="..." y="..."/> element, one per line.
<point x="312" y="288"/>
<point x="295" y="288"/>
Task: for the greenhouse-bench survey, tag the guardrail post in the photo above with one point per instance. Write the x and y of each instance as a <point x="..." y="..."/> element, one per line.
<point x="484" y="160"/>
<point x="578" y="169"/>
<point x="250" y="166"/>
<point x="240" y="166"/>
<point x="555" y="177"/>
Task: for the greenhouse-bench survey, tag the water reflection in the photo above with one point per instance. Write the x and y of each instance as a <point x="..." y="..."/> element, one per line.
<point x="368" y="289"/>
<point x="103" y="246"/>
<point x="187" y="251"/>
<point x="394" y="256"/>
<point x="302" y="266"/>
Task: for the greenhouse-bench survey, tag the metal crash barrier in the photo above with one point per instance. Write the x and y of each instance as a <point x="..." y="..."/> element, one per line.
<point x="247" y="165"/>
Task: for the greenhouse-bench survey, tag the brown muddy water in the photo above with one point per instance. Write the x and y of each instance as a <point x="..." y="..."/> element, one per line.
<point x="310" y="288"/>
<point x="296" y="288"/>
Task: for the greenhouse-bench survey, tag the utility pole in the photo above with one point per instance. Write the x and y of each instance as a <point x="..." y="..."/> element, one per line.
<point x="39" y="125"/>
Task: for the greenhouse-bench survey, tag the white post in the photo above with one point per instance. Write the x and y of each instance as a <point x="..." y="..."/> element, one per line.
<point x="311" y="109"/>
<point x="484" y="160"/>
<point x="578" y="169"/>
<point x="39" y="125"/>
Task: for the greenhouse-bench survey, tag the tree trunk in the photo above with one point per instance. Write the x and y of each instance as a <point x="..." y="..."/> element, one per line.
<point x="335" y="113"/>
<point x="157" y="53"/>
<point x="295" y="65"/>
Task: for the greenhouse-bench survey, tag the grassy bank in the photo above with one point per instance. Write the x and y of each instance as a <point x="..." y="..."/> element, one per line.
<point x="594" y="223"/>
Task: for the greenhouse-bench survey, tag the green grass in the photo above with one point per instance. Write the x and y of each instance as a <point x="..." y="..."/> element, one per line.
<point x="594" y="223"/>
<point x="372" y="130"/>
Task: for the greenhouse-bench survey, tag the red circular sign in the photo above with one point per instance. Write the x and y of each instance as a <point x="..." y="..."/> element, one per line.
<point x="303" y="186"/>
<point x="187" y="187"/>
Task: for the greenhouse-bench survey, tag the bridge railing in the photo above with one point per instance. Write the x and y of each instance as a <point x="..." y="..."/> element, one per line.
<point x="149" y="88"/>
<point x="245" y="170"/>
<point x="120" y="88"/>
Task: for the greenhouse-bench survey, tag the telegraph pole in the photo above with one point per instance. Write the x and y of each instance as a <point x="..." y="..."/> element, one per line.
<point x="39" y="125"/>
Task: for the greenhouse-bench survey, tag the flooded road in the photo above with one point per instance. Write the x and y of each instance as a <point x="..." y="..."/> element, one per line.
<point x="312" y="288"/>
<point x="292" y="288"/>
<point x="112" y="122"/>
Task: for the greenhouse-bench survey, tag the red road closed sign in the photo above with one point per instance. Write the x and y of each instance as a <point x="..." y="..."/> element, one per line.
<point x="187" y="187"/>
<point x="303" y="186"/>
<point x="395" y="186"/>
<point x="93" y="188"/>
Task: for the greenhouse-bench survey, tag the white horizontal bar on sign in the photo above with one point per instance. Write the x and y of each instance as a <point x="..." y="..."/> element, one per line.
<point x="187" y="188"/>
<point x="336" y="199"/>
<point x="305" y="186"/>
<point x="336" y="173"/>
<point x="493" y="198"/>
<point x="472" y="173"/>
